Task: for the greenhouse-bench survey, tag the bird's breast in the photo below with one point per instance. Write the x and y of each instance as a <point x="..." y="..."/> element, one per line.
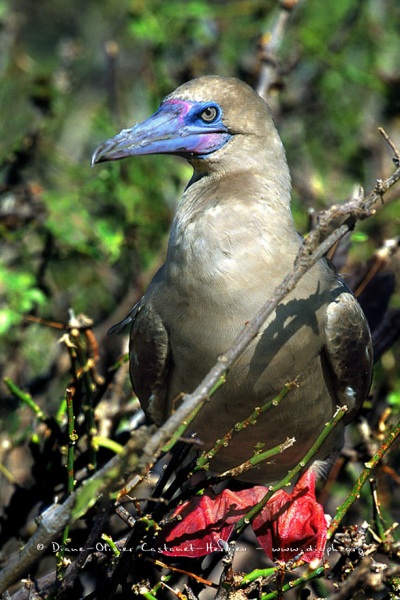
<point x="222" y="266"/>
<point x="217" y="282"/>
<point x="227" y="250"/>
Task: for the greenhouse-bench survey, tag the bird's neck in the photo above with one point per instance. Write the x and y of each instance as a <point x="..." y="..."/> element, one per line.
<point x="245" y="168"/>
<point x="236" y="207"/>
<point x="236" y="216"/>
<point x="245" y="191"/>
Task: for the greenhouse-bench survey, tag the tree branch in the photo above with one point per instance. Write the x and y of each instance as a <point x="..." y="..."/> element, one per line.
<point x="269" y="45"/>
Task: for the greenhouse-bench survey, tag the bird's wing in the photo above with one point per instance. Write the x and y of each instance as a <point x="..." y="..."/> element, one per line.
<point x="129" y="319"/>
<point x="348" y="348"/>
<point x="150" y="361"/>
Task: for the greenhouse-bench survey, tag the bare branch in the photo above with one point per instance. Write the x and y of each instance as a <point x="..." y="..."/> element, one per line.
<point x="269" y="46"/>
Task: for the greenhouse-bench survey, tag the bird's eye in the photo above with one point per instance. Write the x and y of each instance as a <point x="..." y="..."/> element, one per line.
<point x="209" y="114"/>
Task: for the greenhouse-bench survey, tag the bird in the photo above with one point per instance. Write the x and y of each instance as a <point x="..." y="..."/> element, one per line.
<point x="232" y="241"/>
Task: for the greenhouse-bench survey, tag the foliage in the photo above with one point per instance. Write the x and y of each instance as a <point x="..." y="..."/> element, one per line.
<point x="73" y="74"/>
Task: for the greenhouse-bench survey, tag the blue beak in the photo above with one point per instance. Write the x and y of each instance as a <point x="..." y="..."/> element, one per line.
<point x="174" y="128"/>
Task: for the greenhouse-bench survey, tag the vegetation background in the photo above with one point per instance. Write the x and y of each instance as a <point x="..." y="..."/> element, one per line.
<point x="72" y="237"/>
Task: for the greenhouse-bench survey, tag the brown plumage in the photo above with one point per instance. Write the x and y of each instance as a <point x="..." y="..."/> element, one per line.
<point x="232" y="241"/>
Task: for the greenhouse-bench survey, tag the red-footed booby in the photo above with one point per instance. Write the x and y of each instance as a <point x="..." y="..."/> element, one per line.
<point x="232" y="242"/>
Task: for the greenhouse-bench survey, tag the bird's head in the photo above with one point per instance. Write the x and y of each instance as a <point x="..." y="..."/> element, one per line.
<point x="200" y="120"/>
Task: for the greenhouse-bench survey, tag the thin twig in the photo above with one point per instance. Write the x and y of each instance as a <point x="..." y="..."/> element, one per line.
<point x="26" y="399"/>
<point x="366" y="473"/>
<point x="223" y="442"/>
<point x="319" y="572"/>
<point x="396" y="153"/>
<point x="269" y="45"/>
<point x="72" y="439"/>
